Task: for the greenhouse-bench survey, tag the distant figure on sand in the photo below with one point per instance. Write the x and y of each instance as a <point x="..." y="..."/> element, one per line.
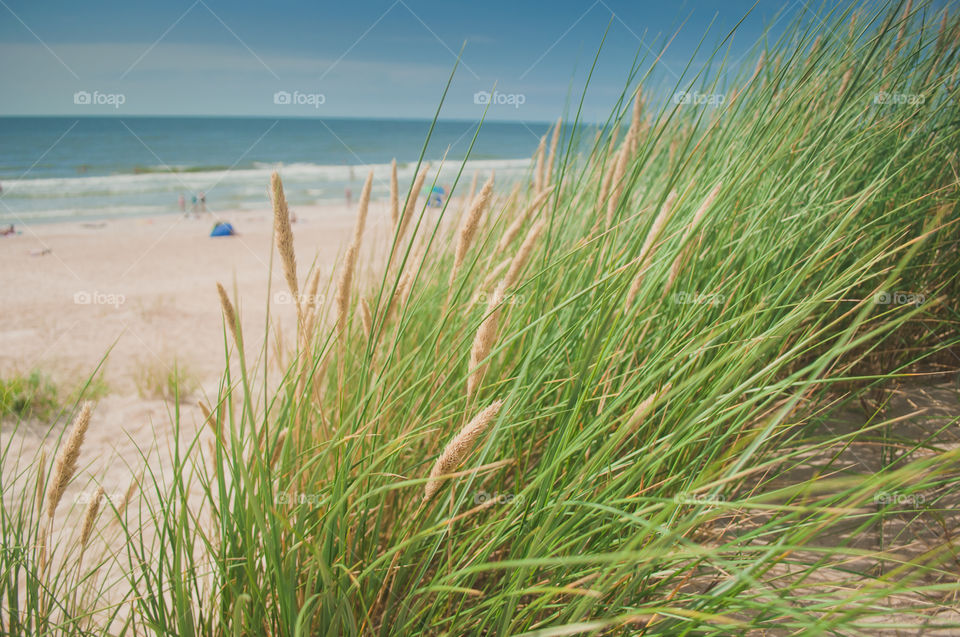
<point x="349" y="195"/>
<point x="193" y="204"/>
<point x="203" y="201"/>
<point x="182" y="203"/>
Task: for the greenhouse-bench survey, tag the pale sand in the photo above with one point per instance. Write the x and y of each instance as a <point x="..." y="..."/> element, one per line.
<point x="151" y="287"/>
<point x="151" y="284"/>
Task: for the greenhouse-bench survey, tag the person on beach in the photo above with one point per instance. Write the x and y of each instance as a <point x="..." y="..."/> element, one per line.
<point x="182" y="203"/>
<point x="203" y="201"/>
<point x="348" y="194"/>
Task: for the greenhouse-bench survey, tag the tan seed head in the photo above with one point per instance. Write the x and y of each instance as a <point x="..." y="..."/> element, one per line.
<point x="66" y="463"/>
<point x="90" y="517"/>
<point x="230" y="316"/>
<point x="483" y="342"/>
<point x="471" y="222"/>
<point x="284" y="237"/>
<point x="459" y="448"/>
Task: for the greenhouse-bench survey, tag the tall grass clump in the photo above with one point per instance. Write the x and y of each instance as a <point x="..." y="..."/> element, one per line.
<point x="612" y="406"/>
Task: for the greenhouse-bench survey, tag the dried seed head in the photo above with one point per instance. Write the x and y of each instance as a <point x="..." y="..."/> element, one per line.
<point x="128" y="496"/>
<point x="845" y="81"/>
<point x="313" y="283"/>
<point x="405" y="286"/>
<point x="658" y="224"/>
<point x="471" y="222"/>
<point x="411" y="206"/>
<point x="230" y="316"/>
<point x="493" y="275"/>
<point x="605" y="180"/>
<point x="523" y="254"/>
<point x="362" y="210"/>
<point x="399" y="294"/>
<point x="209" y="419"/>
<point x="538" y="174"/>
<point x="548" y="179"/>
<point x="645" y="408"/>
<point x="42" y="553"/>
<point x="366" y="317"/>
<point x="473" y="187"/>
<point x="92" y="509"/>
<point x="618" y="183"/>
<point x="66" y="463"/>
<point x="343" y="286"/>
<point x="511" y="232"/>
<point x="942" y="31"/>
<point x="702" y="210"/>
<point x="691" y="228"/>
<point x="483" y="342"/>
<point x="459" y="448"/>
<point x="652" y="236"/>
<point x="514" y="194"/>
<point x="350" y="259"/>
<point x="284" y="237"/>
<point x="759" y="66"/>
<point x="903" y="24"/>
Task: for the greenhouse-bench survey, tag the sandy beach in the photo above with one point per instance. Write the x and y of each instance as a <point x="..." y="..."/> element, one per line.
<point x="144" y="290"/>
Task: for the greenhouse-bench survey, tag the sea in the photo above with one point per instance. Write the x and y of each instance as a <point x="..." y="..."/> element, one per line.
<point x="55" y="169"/>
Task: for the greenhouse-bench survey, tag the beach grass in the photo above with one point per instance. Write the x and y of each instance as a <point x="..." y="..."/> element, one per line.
<point x="606" y="403"/>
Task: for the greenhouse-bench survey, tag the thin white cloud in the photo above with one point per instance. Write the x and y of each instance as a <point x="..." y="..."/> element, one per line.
<point x="108" y="61"/>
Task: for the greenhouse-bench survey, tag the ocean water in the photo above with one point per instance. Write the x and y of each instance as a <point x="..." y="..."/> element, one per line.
<point x="61" y="169"/>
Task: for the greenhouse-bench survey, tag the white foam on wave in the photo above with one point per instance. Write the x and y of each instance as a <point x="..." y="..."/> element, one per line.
<point x="244" y="179"/>
<point x="61" y="214"/>
<point x="92" y="197"/>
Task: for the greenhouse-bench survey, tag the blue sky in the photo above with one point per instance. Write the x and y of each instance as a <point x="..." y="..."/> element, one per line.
<point x="386" y="58"/>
